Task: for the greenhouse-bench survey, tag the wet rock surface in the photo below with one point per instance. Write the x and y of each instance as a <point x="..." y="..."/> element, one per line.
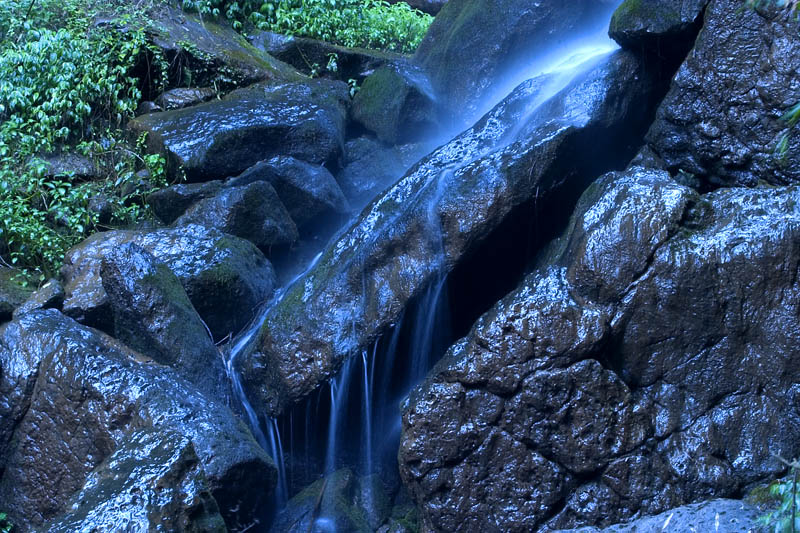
<point x="720" y="516"/>
<point x="310" y="193"/>
<point x="154" y="481"/>
<point x="91" y="393"/>
<point x="397" y="103"/>
<point x="252" y="211"/>
<point x="173" y="201"/>
<point x="433" y="217"/>
<point x="223" y="138"/>
<point x="48" y="296"/>
<point x="12" y="292"/>
<point x="721" y="120"/>
<point x="473" y="45"/>
<point x="153" y="315"/>
<point x="647" y="363"/>
<point x="656" y="25"/>
<point x="226" y="278"/>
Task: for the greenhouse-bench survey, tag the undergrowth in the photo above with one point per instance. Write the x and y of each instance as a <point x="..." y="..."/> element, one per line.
<point x="354" y="23"/>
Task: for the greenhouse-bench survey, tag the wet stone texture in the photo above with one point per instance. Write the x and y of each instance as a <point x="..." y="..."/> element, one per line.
<point x="721" y="120"/>
<point x="436" y="215"/>
<point x="78" y="398"/>
<point x="649" y="361"/>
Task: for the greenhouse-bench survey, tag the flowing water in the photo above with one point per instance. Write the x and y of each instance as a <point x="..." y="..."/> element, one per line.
<point x="354" y="420"/>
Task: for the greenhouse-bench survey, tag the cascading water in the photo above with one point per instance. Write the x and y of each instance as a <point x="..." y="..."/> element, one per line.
<point x="361" y="420"/>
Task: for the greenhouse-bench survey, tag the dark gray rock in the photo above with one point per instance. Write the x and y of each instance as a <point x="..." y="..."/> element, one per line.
<point x="435" y="216"/>
<point x="203" y="48"/>
<point x="309" y="192"/>
<point x="226" y="277"/>
<point x="474" y="45"/>
<point x="153" y="315"/>
<point x="719" y="516"/>
<point x="184" y="97"/>
<point x="649" y="362"/>
<point x="12" y="292"/>
<point x="252" y="211"/>
<point x="397" y="104"/>
<point x="304" y="54"/>
<point x="721" y="120"/>
<point x="48" y="296"/>
<point x="223" y="138"/>
<point x="369" y="167"/>
<point x="91" y="393"/>
<point x="171" y="202"/>
<point x="657" y="25"/>
<point x="70" y="164"/>
<point x="154" y="481"/>
<point x="334" y="503"/>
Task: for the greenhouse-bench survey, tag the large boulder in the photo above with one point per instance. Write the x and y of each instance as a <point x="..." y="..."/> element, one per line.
<point x="171" y="202"/>
<point x="154" y="481"/>
<point x="203" y="52"/>
<point x="397" y="103"/>
<point x="91" y="393"/>
<point x="660" y="26"/>
<point x="309" y="192"/>
<point x="719" y="516"/>
<point x="153" y="315"/>
<point x="225" y="137"/>
<point x="436" y="215"/>
<point x="721" y="120"/>
<point x="473" y="46"/>
<point x="226" y="277"/>
<point x="318" y="58"/>
<point x="649" y="362"/>
<point x="252" y="211"/>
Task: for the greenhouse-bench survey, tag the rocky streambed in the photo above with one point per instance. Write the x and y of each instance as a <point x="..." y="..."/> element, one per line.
<point x="439" y="304"/>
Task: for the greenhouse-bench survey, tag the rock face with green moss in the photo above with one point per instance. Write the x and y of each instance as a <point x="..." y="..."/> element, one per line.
<point x="154" y="481"/>
<point x="153" y="315"/>
<point x="225" y="277"/>
<point x="649" y="362"/>
<point x="82" y="395"/>
<point x="12" y="292"/>
<point x="473" y="46"/>
<point x="397" y="104"/>
<point x="721" y="121"/>
<point x="434" y="217"/>
<point x="223" y="138"/>
<point x="657" y="25"/>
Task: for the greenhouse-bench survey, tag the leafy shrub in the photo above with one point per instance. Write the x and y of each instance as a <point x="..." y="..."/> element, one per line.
<point x="64" y="87"/>
<point x="786" y="517"/>
<point x="5" y="524"/>
<point x="359" y="23"/>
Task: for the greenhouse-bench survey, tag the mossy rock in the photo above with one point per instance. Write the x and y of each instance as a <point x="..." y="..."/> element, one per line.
<point x="12" y="292"/>
<point x="638" y="24"/>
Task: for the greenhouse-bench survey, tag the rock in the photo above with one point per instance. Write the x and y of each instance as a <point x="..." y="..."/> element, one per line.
<point x="627" y="374"/>
<point x="464" y="69"/>
<point x="103" y="208"/>
<point x="309" y="192"/>
<point x="147" y="107"/>
<point x="330" y="504"/>
<point x="91" y="394"/>
<point x="303" y="54"/>
<point x="206" y="52"/>
<point x="657" y="25"/>
<point x="223" y="138"/>
<point x="431" y="7"/>
<point x="12" y="292"/>
<point x="70" y="164"/>
<point x="253" y="212"/>
<point x="153" y="481"/>
<point x="370" y="166"/>
<point x="171" y="202"/>
<point x="184" y="97"/>
<point x="48" y="296"/>
<point x="721" y="120"/>
<point x="397" y="104"/>
<point x="226" y="278"/>
<point x="722" y="516"/>
<point x="153" y="315"/>
<point x="435" y="216"/>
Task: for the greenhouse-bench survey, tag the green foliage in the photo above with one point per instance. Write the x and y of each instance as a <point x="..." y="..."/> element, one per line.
<point x="355" y="23"/>
<point x="786" y="518"/>
<point x="65" y="87"/>
<point x="5" y="524"/>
